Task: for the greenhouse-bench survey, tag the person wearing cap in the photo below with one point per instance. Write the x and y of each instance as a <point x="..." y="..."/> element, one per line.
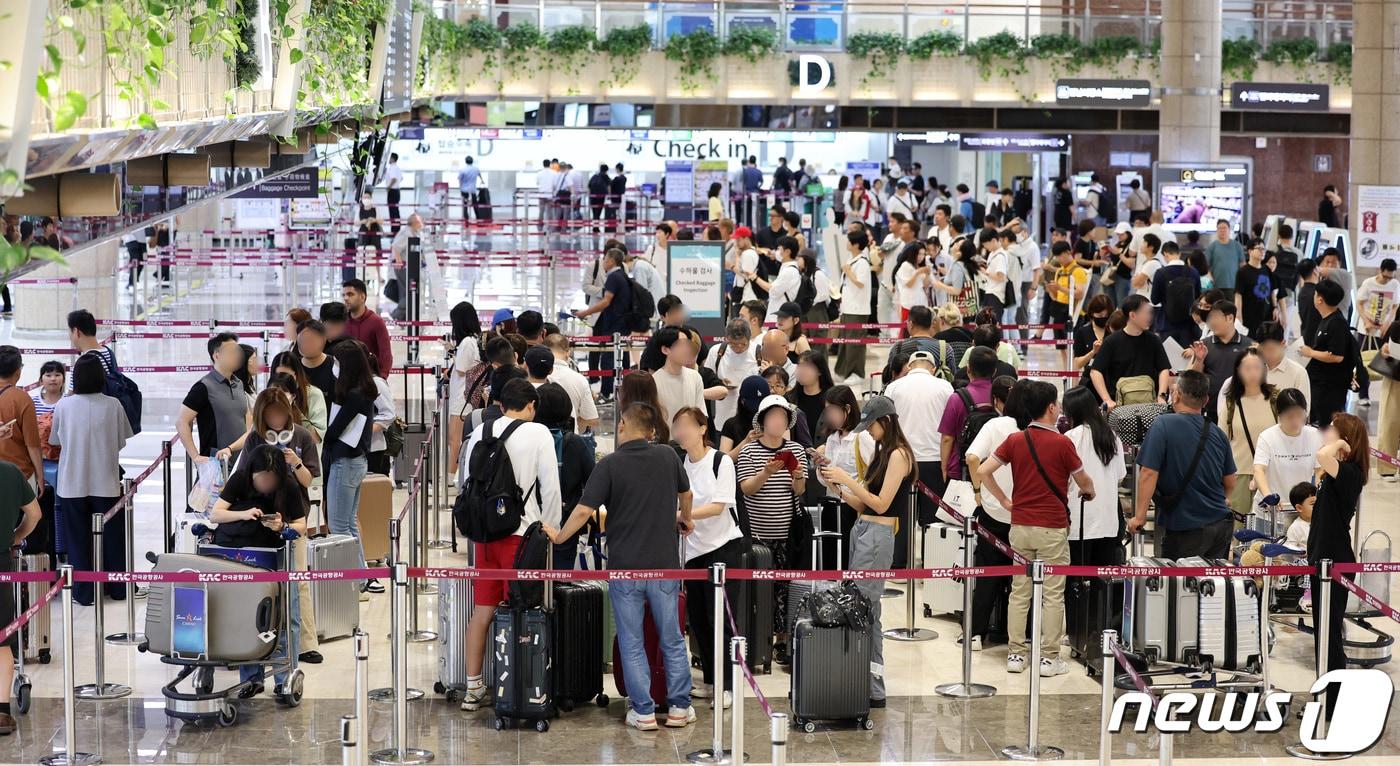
<point x="790" y="324"/>
<point x="739" y="430"/>
<point x="920" y="398"/>
<point x="611" y="309"/>
<point x="1043" y="461"/>
<point x="678" y="385"/>
<point x="503" y="321"/>
<point x="879" y="499"/>
<point x="772" y="472"/>
<point x="539" y="364"/>
<point x="732" y="361"/>
<point x="856" y="284"/>
<point x="745" y="269"/>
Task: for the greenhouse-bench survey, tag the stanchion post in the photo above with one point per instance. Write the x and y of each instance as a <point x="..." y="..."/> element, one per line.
<point x="1322" y="632"/>
<point x="349" y="741"/>
<point x="1110" y="637"/>
<point x="1164" y="749"/>
<point x="69" y="755"/>
<point x="778" y="733"/>
<point x="130" y="637"/>
<point x="99" y="689"/>
<point x="440" y="473"/>
<point x="1033" y="750"/>
<point x="428" y="505"/>
<point x="167" y="524"/>
<point x="400" y="754"/>
<point x="415" y="532"/>
<point x="738" y="649"/>
<point x="1265" y="596"/>
<point x="397" y="629"/>
<point x="716" y="752"/>
<point x="966" y="689"/>
<point x="910" y="632"/>
<point x="362" y="694"/>
<point x="617" y="380"/>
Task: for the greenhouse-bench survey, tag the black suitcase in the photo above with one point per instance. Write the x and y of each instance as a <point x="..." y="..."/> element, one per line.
<point x="757" y="611"/>
<point x="523" y="677"/>
<point x="1095" y="604"/>
<point x="830" y="676"/>
<point x="483" y="204"/>
<point x="578" y="644"/>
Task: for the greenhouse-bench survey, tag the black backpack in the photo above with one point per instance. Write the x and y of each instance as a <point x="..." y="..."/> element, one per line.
<point x="978" y="415"/>
<point x="1286" y="268"/>
<point x="641" y="308"/>
<point x="806" y="295"/>
<point x="979" y="215"/>
<point x="533" y="553"/>
<point x="1180" y="298"/>
<point x="491" y="505"/>
<point x="125" y="391"/>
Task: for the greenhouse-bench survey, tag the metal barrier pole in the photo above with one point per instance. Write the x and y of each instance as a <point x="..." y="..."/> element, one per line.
<point x="69" y="756"/>
<point x="967" y="689"/>
<point x="400" y="753"/>
<point x="1110" y="637"/>
<point x="1322" y="633"/>
<point x="1033" y="750"/>
<point x="130" y="637"/>
<point x="440" y="476"/>
<point x="1265" y="597"/>
<point x="396" y="625"/>
<point x="911" y="633"/>
<point x="738" y="648"/>
<point x="778" y="732"/>
<point x="415" y="552"/>
<point x="349" y="742"/>
<point x="716" y="752"/>
<point x="361" y="695"/>
<point x="617" y="381"/>
<point x="99" y="689"/>
<point x="167" y="528"/>
<point x="428" y="505"/>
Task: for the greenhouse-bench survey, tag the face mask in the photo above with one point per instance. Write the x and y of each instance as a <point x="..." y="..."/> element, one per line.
<point x="1100" y="321"/>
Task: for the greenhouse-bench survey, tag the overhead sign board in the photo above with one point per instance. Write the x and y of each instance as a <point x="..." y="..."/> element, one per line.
<point x="1103" y="93"/>
<point x="1281" y="96"/>
<point x="1014" y="142"/>
<point x="936" y="137"/>
<point x="298" y="184"/>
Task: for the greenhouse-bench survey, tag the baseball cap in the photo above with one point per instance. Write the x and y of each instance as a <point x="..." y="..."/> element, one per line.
<point x="752" y="391"/>
<point x="502" y="315"/>
<point x="1122" y="227"/>
<point x="876" y="407"/>
<point x="917" y="356"/>
<point x="539" y="361"/>
<point x="743" y="231"/>
<point x="789" y="310"/>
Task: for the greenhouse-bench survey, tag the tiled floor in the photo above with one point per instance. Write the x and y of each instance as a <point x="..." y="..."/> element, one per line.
<point x="918" y="725"/>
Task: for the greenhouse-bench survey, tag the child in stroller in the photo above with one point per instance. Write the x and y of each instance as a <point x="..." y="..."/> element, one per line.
<point x="1256" y="549"/>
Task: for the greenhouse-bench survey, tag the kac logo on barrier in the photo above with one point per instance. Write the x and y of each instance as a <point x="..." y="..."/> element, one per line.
<point x="1363" y="704"/>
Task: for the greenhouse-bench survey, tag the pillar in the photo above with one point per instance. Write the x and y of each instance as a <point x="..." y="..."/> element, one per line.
<point x="1190" y="112"/>
<point x="1375" y="93"/>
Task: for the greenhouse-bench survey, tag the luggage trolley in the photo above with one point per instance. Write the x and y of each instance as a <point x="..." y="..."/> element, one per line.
<point x="207" y="626"/>
<point x="21" y="687"/>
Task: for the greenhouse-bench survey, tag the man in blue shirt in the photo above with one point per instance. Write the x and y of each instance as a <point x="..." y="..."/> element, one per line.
<point x="611" y="308"/>
<point x="1187" y="463"/>
<point x="752" y="179"/>
<point x="467" y="179"/>
<point x="1224" y="255"/>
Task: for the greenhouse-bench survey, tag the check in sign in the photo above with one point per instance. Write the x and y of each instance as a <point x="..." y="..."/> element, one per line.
<point x="697" y="278"/>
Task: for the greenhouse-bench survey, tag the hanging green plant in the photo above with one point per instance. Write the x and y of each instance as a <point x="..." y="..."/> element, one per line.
<point x="337" y="37"/>
<point x="1115" y="51"/>
<point x="930" y="44"/>
<point x="246" y="69"/>
<point x="482" y="39"/>
<point x="1238" y="58"/>
<point x="624" y="47"/>
<point x="1000" y="54"/>
<point x="695" y="53"/>
<point x="523" y="43"/>
<point x="443" y="45"/>
<point x="1063" y="52"/>
<point x="880" y="51"/>
<point x="568" y="49"/>
<point x="1339" y="56"/>
<point x="751" y="43"/>
<point x="1298" y="52"/>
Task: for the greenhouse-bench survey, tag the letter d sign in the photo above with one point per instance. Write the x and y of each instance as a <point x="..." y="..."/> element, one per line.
<point x="805" y="64"/>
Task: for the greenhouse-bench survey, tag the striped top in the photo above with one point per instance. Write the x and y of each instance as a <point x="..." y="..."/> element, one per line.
<point x="770" y="509"/>
<point x="41" y="407"/>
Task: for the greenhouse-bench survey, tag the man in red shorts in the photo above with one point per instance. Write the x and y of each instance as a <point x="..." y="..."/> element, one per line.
<point x="531" y="450"/>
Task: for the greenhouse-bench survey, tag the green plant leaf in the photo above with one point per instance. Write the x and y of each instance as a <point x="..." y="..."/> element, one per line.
<point x="73" y="106"/>
<point x="146" y="121"/>
<point x="55" y="58"/>
<point x="295" y="55"/>
<point x="155" y="38"/>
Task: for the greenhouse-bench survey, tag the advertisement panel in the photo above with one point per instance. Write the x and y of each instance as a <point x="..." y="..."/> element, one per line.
<point x="1378" y="229"/>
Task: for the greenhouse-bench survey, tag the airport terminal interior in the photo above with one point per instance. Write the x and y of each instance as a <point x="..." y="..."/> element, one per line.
<point x="1137" y="254"/>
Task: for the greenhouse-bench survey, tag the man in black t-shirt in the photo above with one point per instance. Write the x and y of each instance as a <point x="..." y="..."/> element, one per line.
<point x="1308" y="317"/>
<point x="1331" y="355"/>
<point x="1134" y="351"/>
<point x="311" y="347"/>
<point x="1255" y="289"/>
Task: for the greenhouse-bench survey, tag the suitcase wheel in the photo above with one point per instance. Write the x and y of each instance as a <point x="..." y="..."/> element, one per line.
<point x="808" y="726"/>
<point x="867" y="724"/>
<point x="928" y="612"/>
<point x="602" y="700"/>
<point x="498" y="723"/>
<point x="228" y="714"/>
<point x="542" y="726"/>
<point x="22" y="698"/>
<point x="438" y="688"/>
<point x="45" y="656"/>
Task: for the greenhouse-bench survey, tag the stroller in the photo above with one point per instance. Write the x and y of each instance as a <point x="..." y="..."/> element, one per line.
<point x="222" y="623"/>
<point x="1258" y="547"/>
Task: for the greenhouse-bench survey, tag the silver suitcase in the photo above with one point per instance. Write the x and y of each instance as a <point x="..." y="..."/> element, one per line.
<point x="454" y="610"/>
<point x="244" y="617"/>
<point x="1152" y="610"/>
<point x="336" y="603"/>
<point x="37" y="633"/>
<point x="1228" y="618"/>
<point x="943" y="547"/>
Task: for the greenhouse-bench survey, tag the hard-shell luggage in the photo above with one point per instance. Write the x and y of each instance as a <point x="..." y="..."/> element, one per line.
<point x="244" y="617"/>
<point x="578" y="643"/>
<point x="454" y="611"/>
<point x="523" y="676"/>
<point x="37" y="632"/>
<point x="414" y="434"/>
<point x="651" y="644"/>
<point x="482" y="204"/>
<point x="801" y="590"/>
<point x="376" y="505"/>
<point x="830" y="675"/>
<point x="1099" y="606"/>
<point x="756" y="609"/>
<point x="336" y="603"/>
<point x="943" y="547"/>
<point x="1163" y="613"/>
<point x="1228" y="618"/>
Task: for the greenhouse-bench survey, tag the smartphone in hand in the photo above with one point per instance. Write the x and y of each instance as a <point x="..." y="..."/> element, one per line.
<point x="789" y="461"/>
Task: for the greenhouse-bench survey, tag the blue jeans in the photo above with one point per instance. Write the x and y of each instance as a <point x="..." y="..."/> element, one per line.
<point x="342" y="499"/>
<point x="256" y="673"/>
<point x="630" y="601"/>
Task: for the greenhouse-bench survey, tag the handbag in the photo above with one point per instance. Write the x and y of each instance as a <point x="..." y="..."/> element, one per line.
<point x="1370" y="349"/>
<point x="1385" y="365"/>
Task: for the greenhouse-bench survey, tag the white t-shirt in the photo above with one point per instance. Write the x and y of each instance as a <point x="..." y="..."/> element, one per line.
<point x="988" y="440"/>
<point x="783" y="288"/>
<point x="1101" y="513"/>
<point x="1297" y="537"/>
<point x="1287" y="460"/>
<point x="1376" y="301"/>
<point x="1148" y="266"/>
<point x="576" y="386"/>
<point x="531" y="450"/>
<point x="996" y="264"/>
<point x="732" y="368"/>
<point x="706" y="488"/>
<point x="384" y="413"/>
<point x="910" y="296"/>
<point x="467" y="357"/>
<point x="841" y="453"/>
<point x="393" y="176"/>
<point x="675" y="392"/>
<point x="919" y="398"/>
<point x="748" y="264"/>
<point x="855" y="300"/>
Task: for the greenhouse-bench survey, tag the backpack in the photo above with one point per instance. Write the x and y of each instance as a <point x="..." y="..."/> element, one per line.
<point x="978" y="415"/>
<point x="979" y="215"/>
<point x="641" y="308"/>
<point x="125" y="391"/>
<point x="491" y="505"/>
<point x="944" y="355"/>
<point x="1286" y="267"/>
<point x="1137" y="389"/>
<point x="1180" y="298"/>
<point x="806" y="295"/>
<point x="533" y="553"/>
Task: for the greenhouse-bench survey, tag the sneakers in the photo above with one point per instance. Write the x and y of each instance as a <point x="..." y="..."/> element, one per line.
<point x="1015" y="663"/>
<point x="1390" y="477"/>
<point x="374" y="586"/>
<point x="679" y="718"/>
<point x="976" y="643"/>
<point x="1052" y="666"/>
<point x="1363" y="402"/>
<point x="636" y="720"/>
<point x="728" y="701"/>
<point x="476" y="698"/>
<point x="702" y="691"/>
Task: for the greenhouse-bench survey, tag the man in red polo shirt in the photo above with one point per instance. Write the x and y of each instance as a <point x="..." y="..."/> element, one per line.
<point x="1042" y="463"/>
<point x="366" y="326"/>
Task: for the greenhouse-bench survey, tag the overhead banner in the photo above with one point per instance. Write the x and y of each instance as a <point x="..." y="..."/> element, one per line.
<point x="1281" y="96"/>
<point x="1014" y="142"/>
<point x="1378" y="234"/>
<point x="399" y="59"/>
<point x="297" y="184"/>
<point x="1113" y="94"/>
